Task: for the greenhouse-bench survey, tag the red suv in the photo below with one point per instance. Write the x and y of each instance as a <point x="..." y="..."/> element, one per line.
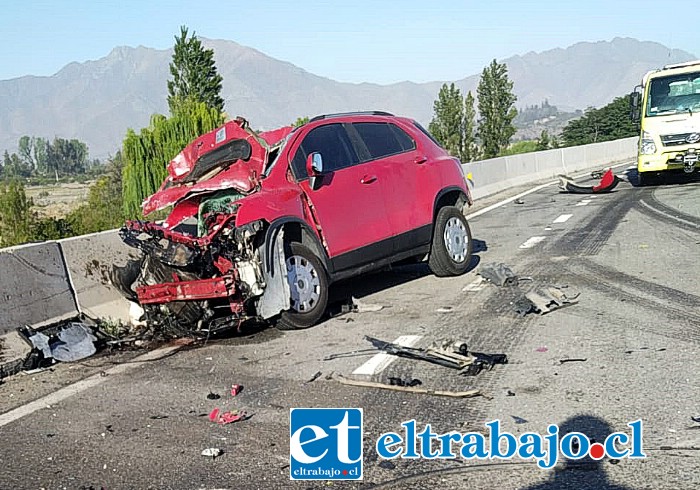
<point x="262" y="223"/>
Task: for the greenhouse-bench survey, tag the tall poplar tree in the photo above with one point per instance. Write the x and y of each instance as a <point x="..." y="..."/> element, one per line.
<point x="496" y="109"/>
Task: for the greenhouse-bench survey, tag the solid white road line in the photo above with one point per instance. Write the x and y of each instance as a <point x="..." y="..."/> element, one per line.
<point x="532" y="241"/>
<point x="563" y="218"/>
<point x="85" y="384"/>
<point x="382" y="360"/>
<point x="506" y="201"/>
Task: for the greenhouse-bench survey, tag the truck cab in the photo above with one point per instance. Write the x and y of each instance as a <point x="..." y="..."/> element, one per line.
<point x="667" y="106"/>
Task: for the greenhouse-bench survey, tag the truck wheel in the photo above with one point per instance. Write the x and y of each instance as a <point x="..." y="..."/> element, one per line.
<point x="308" y="286"/>
<point x="451" y="249"/>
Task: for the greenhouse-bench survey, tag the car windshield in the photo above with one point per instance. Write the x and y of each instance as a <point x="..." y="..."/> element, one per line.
<point x="674" y="94"/>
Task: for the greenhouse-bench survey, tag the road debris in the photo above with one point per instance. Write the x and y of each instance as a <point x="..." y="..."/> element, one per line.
<point x="313" y="378"/>
<point x="542" y="348"/>
<point x="519" y="420"/>
<point x="434" y="356"/>
<point x="212" y="452"/>
<point x="608" y="181"/>
<point x="387" y="465"/>
<point x="545" y="300"/>
<point x="352" y="353"/>
<point x="445" y="309"/>
<point x="695" y="419"/>
<point x="408" y="389"/>
<point x="236" y="389"/>
<point x="498" y="274"/>
<point x="519" y="201"/>
<point x="224" y="418"/>
<point x="572" y="359"/>
<point x="357" y="306"/>
<point x="72" y="342"/>
<point x="404" y="382"/>
<point x="510" y="393"/>
<point x="213" y="396"/>
<point x="484" y="361"/>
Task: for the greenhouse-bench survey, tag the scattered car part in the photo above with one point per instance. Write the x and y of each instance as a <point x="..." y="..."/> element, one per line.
<point x="572" y="359"/>
<point x="543" y="301"/>
<point x="212" y="452"/>
<point x="236" y="389"/>
<point x="484" y="361"/>
<point x="408" y="389"/>
<point x="213" y="396"/>
<point x="314" y="377"/>
<point x="518" y="420"/>
<point x="498" y="274"/>
<point x="447" y="359"/>
<point x="224" y="418"/>
<point x="607" y="183"/>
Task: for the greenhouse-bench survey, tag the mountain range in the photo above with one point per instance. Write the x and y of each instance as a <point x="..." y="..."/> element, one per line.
<point x="96" y="101"/>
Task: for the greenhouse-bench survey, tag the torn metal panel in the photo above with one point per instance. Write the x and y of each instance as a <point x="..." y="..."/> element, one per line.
<point x="549" y="299"/>
<point x="277" y="296"/>
<point x="442" y="358"/>
<point x="498" y="274"/>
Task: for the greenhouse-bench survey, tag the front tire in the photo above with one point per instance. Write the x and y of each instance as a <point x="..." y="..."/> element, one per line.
<point x="308" y="286"/>
<point x="451" y="250"/>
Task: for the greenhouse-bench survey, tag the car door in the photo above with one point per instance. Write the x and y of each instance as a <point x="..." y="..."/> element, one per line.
<point x="347" y="199"/>
<point x="397" y="158"/>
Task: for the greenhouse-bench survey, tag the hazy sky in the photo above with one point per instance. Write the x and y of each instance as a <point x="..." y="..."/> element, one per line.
<point x="361" y="40"/>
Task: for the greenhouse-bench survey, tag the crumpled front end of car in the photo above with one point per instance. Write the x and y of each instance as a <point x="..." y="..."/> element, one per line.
<point x="199" y="272"/>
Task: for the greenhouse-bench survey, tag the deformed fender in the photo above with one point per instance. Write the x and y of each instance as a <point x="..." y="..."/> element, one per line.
<point x="277" y="225"/>
<point x="447" y="193"/>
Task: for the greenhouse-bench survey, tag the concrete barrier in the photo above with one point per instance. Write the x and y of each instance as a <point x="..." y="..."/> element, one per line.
<point x="88" y="259"/>
<point x="34" y="287"/>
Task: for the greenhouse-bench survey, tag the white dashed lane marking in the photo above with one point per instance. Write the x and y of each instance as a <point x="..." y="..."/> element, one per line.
<point x="532" y="241"/>
<point x="382" y="360"/>
<point x="477" y="285"/>
<point x="584" y="202"/>
<point x="563" y="218"/>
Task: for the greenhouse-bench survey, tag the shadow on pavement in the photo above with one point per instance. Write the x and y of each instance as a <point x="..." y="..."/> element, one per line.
<point x="586" y="473"/>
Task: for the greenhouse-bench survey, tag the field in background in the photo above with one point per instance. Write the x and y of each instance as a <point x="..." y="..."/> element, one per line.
<point x="57" y="200"/>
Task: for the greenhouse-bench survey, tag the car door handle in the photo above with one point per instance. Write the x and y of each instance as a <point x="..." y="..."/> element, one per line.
<point x="420" y="159"/>
<point x="368" y="179"/>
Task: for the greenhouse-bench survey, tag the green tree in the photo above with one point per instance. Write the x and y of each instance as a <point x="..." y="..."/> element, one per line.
<point x="610" y="122"/>
<point x="470" y="149"/>
<point x="496" y="109"/>
<point x="15" y="214"/>
<point x="518" y="147"/>
<point x="544" y="142"/>
<point x="300" y="121"/>
<point x="447" y="125"/>
<point x="147" y="153"/>
<point x="104" y="209"/>
<point x="194" y="74"/>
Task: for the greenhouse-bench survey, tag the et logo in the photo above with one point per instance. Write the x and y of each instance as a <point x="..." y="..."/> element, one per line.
<point x="325" y="443"/>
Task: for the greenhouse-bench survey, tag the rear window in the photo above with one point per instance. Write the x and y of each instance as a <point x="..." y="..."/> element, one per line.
<point x="425" y="132"/>
<point x="384" y="139"/>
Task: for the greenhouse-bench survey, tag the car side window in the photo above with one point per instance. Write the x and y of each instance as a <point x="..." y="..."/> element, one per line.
<point x="384" y="139"/>
<point x="332" y="142"/>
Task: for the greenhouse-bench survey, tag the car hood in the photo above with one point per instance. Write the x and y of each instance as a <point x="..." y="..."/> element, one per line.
<point x="232" y="156"/>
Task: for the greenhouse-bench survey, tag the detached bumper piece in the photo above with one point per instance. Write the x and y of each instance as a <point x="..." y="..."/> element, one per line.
<point x="607" y="183"/>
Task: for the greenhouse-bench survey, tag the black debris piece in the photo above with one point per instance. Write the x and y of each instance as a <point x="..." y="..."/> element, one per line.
<point x="484" y="361"/>
<point x="213" y="396"/>
<point x="510" y="393"/>
<point x="523" y="306"/>
<point x="498" y="274"/>
<point x="158" y="417"/>
<point x="519" y="420"/>
<point x="387" y="465"/>
<point x="404" y="382"/>
<point x="695" y="419"/>
<point x="519" y="201"/>
<point x="314" y="377"/>
<point x="572" y="359"/>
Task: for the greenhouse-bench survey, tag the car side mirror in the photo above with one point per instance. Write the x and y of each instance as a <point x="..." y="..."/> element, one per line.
<point x="635" y="109"/>
<point x="314" y="168"/>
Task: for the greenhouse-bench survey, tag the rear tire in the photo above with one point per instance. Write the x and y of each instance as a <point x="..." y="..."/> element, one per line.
<point x="309" y="289"/>
<point x="451" y="250"/>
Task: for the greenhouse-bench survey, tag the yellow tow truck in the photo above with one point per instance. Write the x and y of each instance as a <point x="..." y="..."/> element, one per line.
<point x="667" y="106"/>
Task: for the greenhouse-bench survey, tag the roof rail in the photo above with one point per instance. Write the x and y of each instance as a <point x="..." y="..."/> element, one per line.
<point x="681" y="65"/>
<point x="357" y="113"/>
